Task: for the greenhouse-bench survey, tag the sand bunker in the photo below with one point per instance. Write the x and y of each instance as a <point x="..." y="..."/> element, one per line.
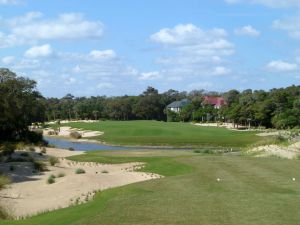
<point x="65" y="132"/>
<point x="30" y="194"/>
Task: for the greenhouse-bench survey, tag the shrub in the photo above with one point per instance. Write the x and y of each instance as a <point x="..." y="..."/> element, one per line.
<point x="51" y="179"/>
<point x="31" y="149"/>
<point x="39" y="166"/>
<point x="61" y="174"/>
<point x="79" y="171"/>
<point x="50" y="133"/>
<point x="71" y="149"/>
<point x="197" y="151"/>
<point x="75" y="135"/>
<point x="53" y="160"/>
<point x="12" y="168"/>
<point x="4" y="180"/>
<point x="21" y="146"/>
<point x="7" y="148"/>
<point x="43" y="150"/>
<point x="104" y="171"/>
<point x="24" y="154"/>
<point x="3" y="214"/>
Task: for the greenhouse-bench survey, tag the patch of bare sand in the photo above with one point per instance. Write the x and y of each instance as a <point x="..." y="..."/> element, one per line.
<point x="30" y="194"/>
<point x="65" y="132"/>
<point x="290" y="152"/>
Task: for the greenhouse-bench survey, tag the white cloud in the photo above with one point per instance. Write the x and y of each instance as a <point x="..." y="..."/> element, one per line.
<point x="105" y="85"/>
<point x="9" y="2"/>
<point x="33" y="27"/>
<point x="290" y="24"/>
<point x="269" y="3"/>
<point x="247" y="30"/>
<point x="220" y="70"/>
<point x="189" y="34"/>
<point x="8" y="60"/>
<point x="189" y="51"/>
<point x="24" y="19"/>
<point x="66" y="26"/>
<point x="281" y="66"/>
<point x="200" y="85"/>
<point x="150" y="76"/>
<point x="105" y="54"/>
<point x="39" y="51"/>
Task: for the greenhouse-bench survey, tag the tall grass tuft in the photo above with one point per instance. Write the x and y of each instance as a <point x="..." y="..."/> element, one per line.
<point x="79" y="171"/>
<point x="4" y="180"/>
<point x="53" y="160"/>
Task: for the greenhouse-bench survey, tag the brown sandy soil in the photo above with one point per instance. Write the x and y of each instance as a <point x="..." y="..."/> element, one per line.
<point x="30" y="194"/>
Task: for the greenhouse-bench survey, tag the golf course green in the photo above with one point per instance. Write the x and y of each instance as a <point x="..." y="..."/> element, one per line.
<point x="155" y="133"/>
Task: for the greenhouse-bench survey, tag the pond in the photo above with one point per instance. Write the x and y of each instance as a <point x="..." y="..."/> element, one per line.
<point x="82" y="146"/>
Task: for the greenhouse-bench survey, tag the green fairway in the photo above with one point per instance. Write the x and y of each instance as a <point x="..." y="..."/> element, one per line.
<point x="154" y="133"/>
<point x="251" y="191"/>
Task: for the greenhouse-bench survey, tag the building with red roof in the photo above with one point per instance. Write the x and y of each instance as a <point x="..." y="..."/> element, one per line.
<point x="217" y="102"/>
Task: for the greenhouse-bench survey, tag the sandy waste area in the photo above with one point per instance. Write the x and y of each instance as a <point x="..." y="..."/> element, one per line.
<point x="65" y="132"/>
<point x="30" y="194"/>
<point x="290" y="152"/>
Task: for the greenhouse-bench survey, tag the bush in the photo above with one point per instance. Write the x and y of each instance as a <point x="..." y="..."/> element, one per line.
<point x="12" y="168"/>
<point x="43" y="150"/>
<point x="31" y="149"/>
<point x="75" y="135"/>
<point x="4" y="180"/>
<point x="71" y="149"/>
<point x="51" y="132"/>
<point x="53" y="160"/>
<point x="104" y="171"/>
<point x="79" y="171"/>
<point x="24" y="154"/>
<point x="3" y="214"/>
<point x="197" y="151"/>
<point x="61" y="174"/>
<point x="7" y="148"/>
<point x="39" y="166"/>
<point x="51" y="179"/>
<point x="21" y="146"/>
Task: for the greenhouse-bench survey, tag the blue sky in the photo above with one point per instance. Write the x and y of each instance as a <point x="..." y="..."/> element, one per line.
<point x="120" y="47"/>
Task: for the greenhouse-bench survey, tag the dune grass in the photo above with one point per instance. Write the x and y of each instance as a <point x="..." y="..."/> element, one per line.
<point x="155" y="133"/>
<point x="250" y="191"/>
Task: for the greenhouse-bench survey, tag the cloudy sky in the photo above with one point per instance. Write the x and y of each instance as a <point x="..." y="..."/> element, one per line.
<point x="117" y="47"/>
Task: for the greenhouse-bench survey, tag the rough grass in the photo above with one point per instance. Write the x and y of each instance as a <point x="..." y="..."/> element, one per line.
<point x="79" y="171"/>
<point x="154" y="133"/>
<point x="251" y="191"/>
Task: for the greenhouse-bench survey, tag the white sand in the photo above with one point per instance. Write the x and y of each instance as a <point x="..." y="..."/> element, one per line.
<point x="289" y="152"/>
<point x="65" y="132"/>
<point x="30" y="194"/>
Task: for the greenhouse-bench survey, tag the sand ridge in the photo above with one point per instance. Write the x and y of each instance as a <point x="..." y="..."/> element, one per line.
<point x="30" y="194"/>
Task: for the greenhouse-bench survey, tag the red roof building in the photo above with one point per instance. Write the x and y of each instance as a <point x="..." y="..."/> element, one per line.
<point x="217" y="102"/>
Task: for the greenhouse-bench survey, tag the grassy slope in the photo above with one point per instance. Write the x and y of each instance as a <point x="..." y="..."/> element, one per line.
<point x="252" y="191"/>
<point x="174" y="134"/>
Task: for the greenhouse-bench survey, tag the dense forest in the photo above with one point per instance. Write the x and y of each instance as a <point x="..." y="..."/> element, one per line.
<point x="21" y="105"/>
<point x="279" y="108"/>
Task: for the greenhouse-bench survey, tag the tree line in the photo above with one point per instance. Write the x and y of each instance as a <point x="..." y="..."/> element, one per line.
<point x="279" y="108"/>
<point x="21" y="105"/>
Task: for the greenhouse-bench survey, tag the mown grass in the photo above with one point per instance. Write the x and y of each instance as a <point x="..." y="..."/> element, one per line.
<point x="154" y="133"/>
<point x="251" y="191"/>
